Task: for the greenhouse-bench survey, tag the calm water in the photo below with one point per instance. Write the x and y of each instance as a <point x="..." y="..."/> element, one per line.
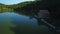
<point x="23" y="24"/>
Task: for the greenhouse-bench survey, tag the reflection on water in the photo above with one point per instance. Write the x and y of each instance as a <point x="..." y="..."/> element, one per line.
<point x="24" y="24"/>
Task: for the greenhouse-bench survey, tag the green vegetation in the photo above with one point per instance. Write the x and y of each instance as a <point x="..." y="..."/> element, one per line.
<point x="30" y="8"/>
<point x="4" y="8"/>
<point x="9" y="8"/>
<point x="19" y="5"/>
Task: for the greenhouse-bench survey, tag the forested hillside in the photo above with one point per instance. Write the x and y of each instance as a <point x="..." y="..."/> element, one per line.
<point x="4" y="8"/>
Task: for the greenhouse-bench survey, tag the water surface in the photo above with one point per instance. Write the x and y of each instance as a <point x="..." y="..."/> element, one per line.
<point x="23" y="24"/>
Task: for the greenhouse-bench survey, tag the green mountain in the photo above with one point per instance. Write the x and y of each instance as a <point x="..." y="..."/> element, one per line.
<point x="4" y="8"/>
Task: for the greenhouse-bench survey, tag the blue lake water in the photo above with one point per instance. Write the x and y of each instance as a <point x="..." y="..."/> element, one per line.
<point x="23" y="23"/>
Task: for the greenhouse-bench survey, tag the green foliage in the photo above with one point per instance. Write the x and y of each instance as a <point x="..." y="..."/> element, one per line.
<point x="9" y="8"/>
<point x="19" y="5"/>
<point x="4" y="8"/>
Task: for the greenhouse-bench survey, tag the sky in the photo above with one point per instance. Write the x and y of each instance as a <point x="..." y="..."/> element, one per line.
<point x="9" y="2"/>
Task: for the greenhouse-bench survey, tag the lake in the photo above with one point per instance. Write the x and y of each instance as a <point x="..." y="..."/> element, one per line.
<point x="23" y="24"/>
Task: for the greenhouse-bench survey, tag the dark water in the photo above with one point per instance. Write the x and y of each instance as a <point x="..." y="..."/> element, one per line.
<point x="24" y="25"/>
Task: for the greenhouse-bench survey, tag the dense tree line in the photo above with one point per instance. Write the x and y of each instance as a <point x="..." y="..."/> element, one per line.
<point x="4" y="7"/>
<point x="32" y="8"/>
